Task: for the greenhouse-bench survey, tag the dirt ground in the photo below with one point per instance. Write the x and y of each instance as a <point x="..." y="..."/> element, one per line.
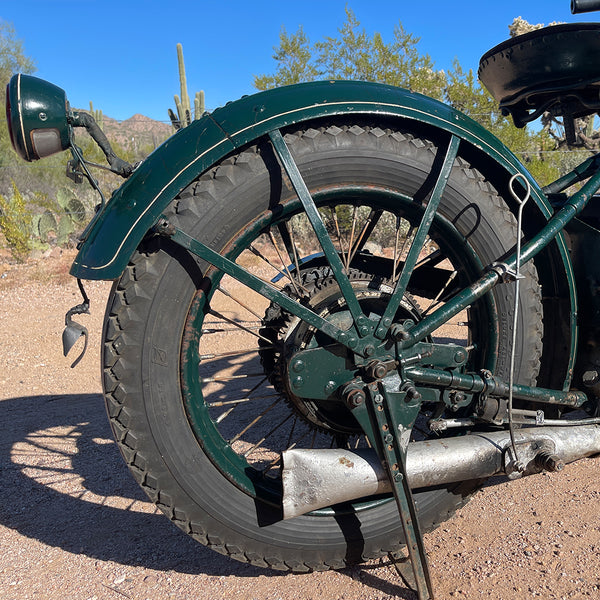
<point x="74" y="525"/>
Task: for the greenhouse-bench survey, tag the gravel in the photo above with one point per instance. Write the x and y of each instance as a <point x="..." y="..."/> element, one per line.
<point x="74" y="525"/>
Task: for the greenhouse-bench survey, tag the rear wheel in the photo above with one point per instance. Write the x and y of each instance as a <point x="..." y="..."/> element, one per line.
<point x="196" y="365"/>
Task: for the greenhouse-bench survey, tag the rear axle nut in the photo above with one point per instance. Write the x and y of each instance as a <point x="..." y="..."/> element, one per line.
<point x="549" y="461"/>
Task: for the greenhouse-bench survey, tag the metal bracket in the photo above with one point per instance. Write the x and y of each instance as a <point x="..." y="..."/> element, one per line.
<point x="505" y="273"/>
<point x="387" y="418"/>
<point x="73" y="330"/>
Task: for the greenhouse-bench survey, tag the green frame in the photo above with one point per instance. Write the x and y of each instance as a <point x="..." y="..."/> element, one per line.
<point x="119" y="227"/>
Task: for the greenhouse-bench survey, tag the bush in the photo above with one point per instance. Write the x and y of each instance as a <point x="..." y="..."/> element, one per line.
<point x="15" y="224"/>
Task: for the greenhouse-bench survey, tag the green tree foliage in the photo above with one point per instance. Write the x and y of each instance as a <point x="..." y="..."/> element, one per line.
<point x="15" y="223"/>
<point x="355" y="54"/>
<point x="12" y="60"/>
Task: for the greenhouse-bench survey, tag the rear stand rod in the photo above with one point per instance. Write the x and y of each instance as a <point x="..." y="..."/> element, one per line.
<point x="387" y="419"/>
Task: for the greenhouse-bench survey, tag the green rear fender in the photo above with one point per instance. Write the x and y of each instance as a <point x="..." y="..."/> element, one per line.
<point x="117" y="230"/>
<point x="134" y="208"/>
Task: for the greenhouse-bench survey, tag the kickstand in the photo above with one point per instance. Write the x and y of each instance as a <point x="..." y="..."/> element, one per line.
<point x="387" y="419"/>
<point x="403" y="568"/>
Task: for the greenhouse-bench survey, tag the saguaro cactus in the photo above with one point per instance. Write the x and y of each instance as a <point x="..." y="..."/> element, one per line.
<point x="97" y="114"/>
<point x="184" y="109"/>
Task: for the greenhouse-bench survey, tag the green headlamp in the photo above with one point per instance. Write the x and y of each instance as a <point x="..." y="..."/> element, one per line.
<point x="37" y="116"/>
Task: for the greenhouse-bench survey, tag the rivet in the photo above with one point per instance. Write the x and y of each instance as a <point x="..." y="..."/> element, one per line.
<point x="330" y="387"/>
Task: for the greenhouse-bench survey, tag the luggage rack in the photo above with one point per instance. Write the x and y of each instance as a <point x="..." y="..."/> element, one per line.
<point x="555" y="69"/>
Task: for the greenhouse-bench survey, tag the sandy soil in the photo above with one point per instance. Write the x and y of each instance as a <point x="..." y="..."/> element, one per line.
<point x="73" y="524"/>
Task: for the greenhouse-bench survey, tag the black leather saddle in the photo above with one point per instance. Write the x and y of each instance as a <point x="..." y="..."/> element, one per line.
<point x="554" y="69"/>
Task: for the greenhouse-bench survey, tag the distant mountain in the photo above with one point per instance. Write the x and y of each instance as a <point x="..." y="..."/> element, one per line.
<point x="137" y="131"/>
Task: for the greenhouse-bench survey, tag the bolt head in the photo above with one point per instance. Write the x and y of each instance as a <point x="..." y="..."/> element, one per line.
<point x="460" y="356"/>
<point x="355" y="398"/>
<point x="330" y="387"/>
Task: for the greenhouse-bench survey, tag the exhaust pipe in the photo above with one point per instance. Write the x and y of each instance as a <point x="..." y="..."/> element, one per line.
<point x="314" y="479"/>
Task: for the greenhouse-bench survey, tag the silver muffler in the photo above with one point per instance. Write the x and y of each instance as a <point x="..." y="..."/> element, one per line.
<point x="314" y="479"/>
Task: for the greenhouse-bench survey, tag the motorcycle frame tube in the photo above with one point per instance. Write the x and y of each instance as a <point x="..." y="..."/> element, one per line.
<point x="118" y="228"/>
<point x="533" y="247"/>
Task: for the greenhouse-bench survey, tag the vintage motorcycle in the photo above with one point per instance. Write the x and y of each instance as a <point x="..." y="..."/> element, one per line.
<point x="339" y="307"/>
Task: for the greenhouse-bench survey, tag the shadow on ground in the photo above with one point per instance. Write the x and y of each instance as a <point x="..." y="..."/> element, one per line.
<point x="61" y="476"/>
<point x="32" y="503"/>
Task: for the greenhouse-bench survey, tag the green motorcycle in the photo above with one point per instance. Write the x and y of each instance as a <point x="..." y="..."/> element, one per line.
<point x="339" y="307"/>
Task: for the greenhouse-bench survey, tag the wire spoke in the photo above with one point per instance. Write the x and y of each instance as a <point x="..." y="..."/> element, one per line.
<point x="238" y="301"/>
<point x="236" y="352"/>
<point x="365" y="234"/>
<point x="240" y="401"/>
<point x="239" y="325"/>
<point x="226" y="378"/>
<point x="267" y="435"/>
<point x="351" y="240"/>
<point x="255" y="421"/>
<point x="285" y="267"/>
<point x="438" y="299"/>
<point x="260" y="255"/>
<point x="336" y="224"/>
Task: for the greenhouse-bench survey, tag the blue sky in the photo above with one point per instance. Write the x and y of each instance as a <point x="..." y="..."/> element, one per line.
<point x="122" y="54"/>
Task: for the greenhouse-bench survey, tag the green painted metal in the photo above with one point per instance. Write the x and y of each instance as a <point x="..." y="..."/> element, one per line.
<point x="37" y="117"/>
<point x="263" y="288"/>
<point x="485" y="283"/>
<point x="475" y="383"/>
<point x="139" y="202"/>
<point x="330" y="368"/>
<point x="388" y="418"/>
<point x="420" y="237"/>
<point x="333" y="258"/>
<point x="134" y="208"/>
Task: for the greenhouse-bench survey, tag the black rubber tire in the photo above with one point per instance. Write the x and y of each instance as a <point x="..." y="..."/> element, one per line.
<point x="149" y="305"/>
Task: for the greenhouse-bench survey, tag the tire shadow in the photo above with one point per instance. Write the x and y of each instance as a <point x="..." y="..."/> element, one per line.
<point x="63" y="483"/>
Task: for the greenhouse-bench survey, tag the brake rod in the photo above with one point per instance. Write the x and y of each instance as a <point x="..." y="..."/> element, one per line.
<point x="475" y="383"/>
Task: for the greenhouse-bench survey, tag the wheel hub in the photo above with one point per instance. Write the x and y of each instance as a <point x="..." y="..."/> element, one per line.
<point x="308" y="367"/>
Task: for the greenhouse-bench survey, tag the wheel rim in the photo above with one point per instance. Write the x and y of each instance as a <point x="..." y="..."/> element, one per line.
<point x="230" y="401"/>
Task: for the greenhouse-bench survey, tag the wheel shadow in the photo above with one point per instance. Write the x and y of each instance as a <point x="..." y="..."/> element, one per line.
<point x="64" y="484"/>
